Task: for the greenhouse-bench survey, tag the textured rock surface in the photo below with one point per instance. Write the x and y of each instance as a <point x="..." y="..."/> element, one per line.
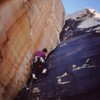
<point x="74" y="66"/>
<point x="84" y="21"/>
<point x="25" y="26"/>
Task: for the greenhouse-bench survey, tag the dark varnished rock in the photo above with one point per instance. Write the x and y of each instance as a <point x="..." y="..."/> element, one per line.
<point x="83" y="52"/>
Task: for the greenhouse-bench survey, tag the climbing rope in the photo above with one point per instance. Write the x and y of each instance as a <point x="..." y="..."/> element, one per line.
<point x="30" y="89"/>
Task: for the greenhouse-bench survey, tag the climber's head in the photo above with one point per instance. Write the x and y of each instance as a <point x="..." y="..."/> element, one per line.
<point x="45" y="50"/>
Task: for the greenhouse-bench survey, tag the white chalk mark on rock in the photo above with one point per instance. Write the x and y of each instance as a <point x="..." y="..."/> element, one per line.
<point x="91" y="66"/>
<point x="36" y="90"/>
<point x="62" y="83"/>
<point x="65" y="74"/>
<point x="87" y="60"/>
<point x="74" y="66"/>
<point x="83" y="66"/>
<point x="77" y="68"/>
<point x="63" y="44"/>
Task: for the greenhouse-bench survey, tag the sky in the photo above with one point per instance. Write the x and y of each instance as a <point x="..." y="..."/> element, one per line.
<point x="72" y="6"/>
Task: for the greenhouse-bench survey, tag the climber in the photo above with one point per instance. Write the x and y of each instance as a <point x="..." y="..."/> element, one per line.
<point x="39" y="63"/>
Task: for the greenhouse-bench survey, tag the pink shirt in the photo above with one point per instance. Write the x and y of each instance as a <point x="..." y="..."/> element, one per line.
<point x="40" y="54"/>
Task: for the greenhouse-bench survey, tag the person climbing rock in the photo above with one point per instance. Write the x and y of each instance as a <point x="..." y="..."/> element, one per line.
<point x="39" y="65"/>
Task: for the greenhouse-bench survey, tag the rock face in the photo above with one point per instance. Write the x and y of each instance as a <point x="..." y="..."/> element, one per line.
<point x="84" y="21"/>
<point x="74" y="66"/>
<point x="25" y="26"/>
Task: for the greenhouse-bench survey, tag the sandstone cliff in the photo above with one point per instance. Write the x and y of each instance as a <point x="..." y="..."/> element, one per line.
<point x="25" y="26"/>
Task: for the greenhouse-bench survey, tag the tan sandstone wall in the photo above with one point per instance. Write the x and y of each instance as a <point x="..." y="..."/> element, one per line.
<point x="25" y="26"/>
